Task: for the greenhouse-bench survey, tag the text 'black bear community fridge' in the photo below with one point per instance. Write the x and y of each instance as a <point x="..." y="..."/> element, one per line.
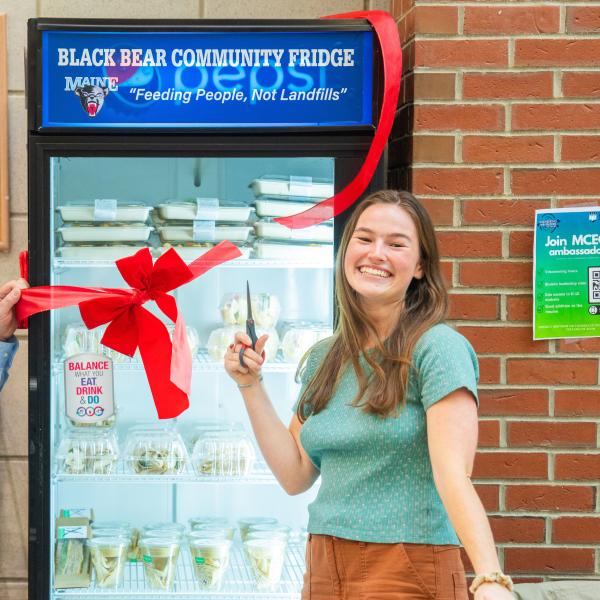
<point x="150" y="144"/>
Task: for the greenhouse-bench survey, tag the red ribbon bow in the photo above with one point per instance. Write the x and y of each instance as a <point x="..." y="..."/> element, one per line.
<point x="387" y="32"/>
<point x="167" y="363"/>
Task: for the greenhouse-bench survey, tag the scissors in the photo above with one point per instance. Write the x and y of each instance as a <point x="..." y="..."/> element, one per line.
<point x="250" y="329"/>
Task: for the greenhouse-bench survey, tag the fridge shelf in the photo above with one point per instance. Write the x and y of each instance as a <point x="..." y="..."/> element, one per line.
<point x="260" y="474"/>
<point x="240" y="263"/>
<point x="202" y="363"/>
<point x="238" y="583"/>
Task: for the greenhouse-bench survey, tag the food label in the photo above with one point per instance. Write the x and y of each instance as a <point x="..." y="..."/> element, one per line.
<point x="300" y="186"/>
<point x="105" y="209"/>
<point x="74" y="513"/>
<point x="199" y="560"/>
<point x="207" y="209"/>
<point x="72" y="532"/>
<point x="204" y="231"/>
<point x="89" y="386"/>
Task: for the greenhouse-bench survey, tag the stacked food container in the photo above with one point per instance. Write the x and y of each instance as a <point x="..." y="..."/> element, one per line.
<point x="158" y="553"/>
<point x="282" y="196"/>
<point x="192" y="227"/>
<point x="104" y="228"/>
<point x="266" y="309"/>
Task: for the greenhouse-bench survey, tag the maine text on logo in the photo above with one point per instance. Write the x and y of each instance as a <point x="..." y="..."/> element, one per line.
<point x="91" y="98"/>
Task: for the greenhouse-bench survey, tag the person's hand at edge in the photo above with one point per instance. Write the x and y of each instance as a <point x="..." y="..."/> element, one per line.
<point x="10" y="293"/>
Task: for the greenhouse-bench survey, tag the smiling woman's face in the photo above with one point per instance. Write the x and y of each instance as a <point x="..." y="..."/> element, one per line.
<point x="383" y="255"/>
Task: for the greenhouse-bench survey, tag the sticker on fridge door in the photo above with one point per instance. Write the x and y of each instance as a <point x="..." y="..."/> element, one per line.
<point x="89" y="396"/>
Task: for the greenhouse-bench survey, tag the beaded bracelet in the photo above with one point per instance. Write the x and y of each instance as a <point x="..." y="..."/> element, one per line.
<point x="247" y="385"/>
<point x="496" y="577"/>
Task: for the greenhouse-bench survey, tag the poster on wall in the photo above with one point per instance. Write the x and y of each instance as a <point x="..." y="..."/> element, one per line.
<point x="566" y="273"/>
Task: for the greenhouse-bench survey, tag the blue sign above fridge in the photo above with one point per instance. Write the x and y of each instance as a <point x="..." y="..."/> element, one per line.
<point x="206" y="79"/>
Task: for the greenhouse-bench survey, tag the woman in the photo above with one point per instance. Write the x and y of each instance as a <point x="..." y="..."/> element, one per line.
<point x="387" y="415"/>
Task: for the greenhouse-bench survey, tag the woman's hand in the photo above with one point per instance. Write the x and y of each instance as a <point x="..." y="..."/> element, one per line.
<point x="493" y="591"/>
<point x="254" y="359"/>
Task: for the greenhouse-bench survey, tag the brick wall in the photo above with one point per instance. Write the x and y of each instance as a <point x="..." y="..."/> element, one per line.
<point x="499" y="116"/>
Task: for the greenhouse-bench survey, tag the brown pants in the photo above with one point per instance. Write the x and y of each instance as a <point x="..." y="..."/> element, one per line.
<point x="339" y="569"/>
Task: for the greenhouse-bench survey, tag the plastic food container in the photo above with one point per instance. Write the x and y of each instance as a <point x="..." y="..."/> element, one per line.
<point x="219" y="340"/>
<point x="268" y="535"/>
<point x="247" y="522"/>
<point x="266" y="559"/>
<point x="77" y="338"/>
<point x="288" y="185"/>
<point x="269" y="529"/>
<point x="159" y="452"/>
<point x="225" y="531"/>
<point x="192" y="337"/>
<point x="159" y="557"/>
<point x="185" y="233"/>
<point x="266" y="309"/>
<point x="274" y="231"/>
<point x="120" y="529"/>
<point x="223" y="454"/>
<point x="191" y="251"/>
<point x="71" y="562"/>
<point x="210" y="558"/>
<point x="165" y="526"/>
<point x="135" y="212"/>
<point x="280" y="208"/>
<point x="299" y="336"/>
<point x="105" y="233"/>
<point x="88" y="452"/>
<point x="186" y="211"/>
<point x="317" y="253"/>
<point x="208" y="427"/>
<point x="97" y="252"/>
<point x="98" y="526"/>
<point x="109" y="556"/>
<point x="208" y="521"/>
<point x="168" y="526"/>
<point x="116" y="532"/>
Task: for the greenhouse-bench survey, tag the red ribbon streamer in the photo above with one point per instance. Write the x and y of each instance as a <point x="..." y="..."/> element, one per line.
<point x="168" y="365"/>
<point x="387" y="32"/>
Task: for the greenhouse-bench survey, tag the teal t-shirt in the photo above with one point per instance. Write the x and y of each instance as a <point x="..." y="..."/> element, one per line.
<point x="376" y="478"/>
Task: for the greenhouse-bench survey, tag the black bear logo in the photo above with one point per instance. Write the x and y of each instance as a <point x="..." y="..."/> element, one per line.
<point x="92" y="98"/>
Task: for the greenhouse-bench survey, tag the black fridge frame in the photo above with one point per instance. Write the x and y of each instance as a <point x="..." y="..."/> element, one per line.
<point x="348" y="153"/>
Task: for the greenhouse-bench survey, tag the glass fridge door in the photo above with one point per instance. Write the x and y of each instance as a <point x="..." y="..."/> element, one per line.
<point x="147" y="508"/>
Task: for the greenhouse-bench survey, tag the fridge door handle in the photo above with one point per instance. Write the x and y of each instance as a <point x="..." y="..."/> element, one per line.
<point x="26" y="75"/>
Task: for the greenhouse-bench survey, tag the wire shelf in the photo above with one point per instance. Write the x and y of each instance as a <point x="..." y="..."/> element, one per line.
<point x="202" y="363"/>
<point x="238" y="583"/>
<point x="239" y="263"/>
<point x="260" y="474"/>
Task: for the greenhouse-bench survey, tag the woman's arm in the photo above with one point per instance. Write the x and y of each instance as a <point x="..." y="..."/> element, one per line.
<point x="452" y="440"/>
<point x="280" y="446"/>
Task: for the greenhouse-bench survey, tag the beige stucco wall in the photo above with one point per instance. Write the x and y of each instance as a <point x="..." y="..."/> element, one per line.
<point x="13" y="398"/>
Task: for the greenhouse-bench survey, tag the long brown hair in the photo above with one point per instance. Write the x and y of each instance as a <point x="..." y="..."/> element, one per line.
<point x="425" y="305"/>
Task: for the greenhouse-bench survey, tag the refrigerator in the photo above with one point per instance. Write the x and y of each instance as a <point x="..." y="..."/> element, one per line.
<point x="152" y="135"/>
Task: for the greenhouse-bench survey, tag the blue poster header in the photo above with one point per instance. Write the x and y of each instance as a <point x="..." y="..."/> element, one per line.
<point x="206" y="79"/>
